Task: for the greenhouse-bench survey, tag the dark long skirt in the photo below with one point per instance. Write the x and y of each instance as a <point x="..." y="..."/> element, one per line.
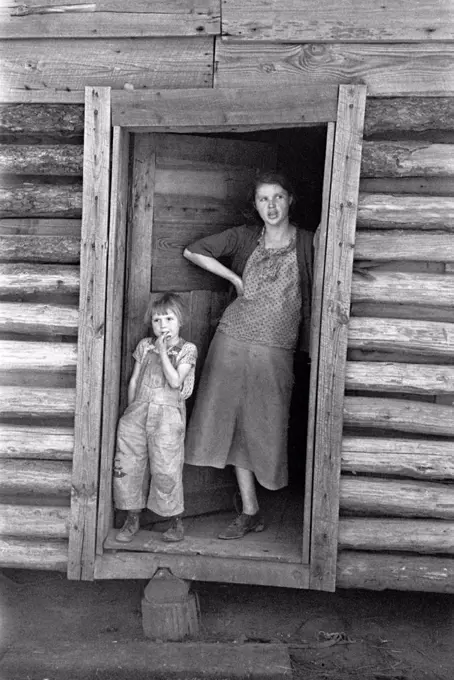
<point x="240" y="416"/>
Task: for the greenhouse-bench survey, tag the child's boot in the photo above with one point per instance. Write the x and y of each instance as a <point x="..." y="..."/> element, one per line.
<point x="129" y="528"/>
<point x="175" y="532"/>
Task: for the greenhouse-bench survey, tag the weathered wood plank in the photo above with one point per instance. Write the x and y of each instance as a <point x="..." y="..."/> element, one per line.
<point x="385" y="68"/>
<point x="401" y="498"/>
<point x="35" y="477"/>
<point x="395" y="572"/>
<point x="433" y="338"/>
<point x="385" y="211"/>
<point x="423" y="186"/>
<point x="91" y="338"/>
<point x="38" y="356"/>
<point x="34" y="401"/>
<point x="65" y="120"/>
<point x="396" y="377"/>
<point x="28" y="279"/>
<point x="333" y="333"/>
<point x="403" y="288"/>
<point x="407" y="159"/>
<point x="35" y="225"/>
<point x="114" y="323"/>
<point x="49" y="249"/>
<point x="399" y="415"/>
<point x="224" y="109"/>
<point x="390" y="311"/>
<point x="134" y="62"/>
<point x="22" y="553"/>
<point x="421" y="536"/>
<point x="32" y="522"/>
<point x="110" y="18"/>
<point x="342" y="21"/>
<point x="36" y="197"/>
<point x="400" y="246"/>
<point x="25" y="441"/>
<point x="408" y="113"/>
<point x="29" y="159"/>
<point x="415" y="458"/>
<point x="35" y="319"/>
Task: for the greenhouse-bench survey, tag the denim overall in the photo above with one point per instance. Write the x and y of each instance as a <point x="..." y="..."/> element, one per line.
<point x="150" y="440"/>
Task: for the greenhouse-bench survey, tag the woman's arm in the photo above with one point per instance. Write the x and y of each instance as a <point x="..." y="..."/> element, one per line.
<point x="210" y="264"/>
<point x="133" y="383"/>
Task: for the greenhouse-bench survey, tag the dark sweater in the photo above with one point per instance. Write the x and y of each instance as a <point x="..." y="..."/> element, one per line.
<point x="236" y="245"/>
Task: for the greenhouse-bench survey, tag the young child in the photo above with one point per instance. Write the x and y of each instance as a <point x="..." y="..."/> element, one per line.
<point x="152" y="429"/>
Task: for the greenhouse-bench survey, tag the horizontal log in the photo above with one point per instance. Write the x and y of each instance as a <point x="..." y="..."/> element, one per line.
<point x="40" y="248"/>
<point x="407" y="159"/>
<point x="41" y="199"/>
<point x="111" y="18"/>
<point x="32" y="226"/>
<point x="35" y="477"/>
<point x="38" y="356"/>
<point x="387" y="211"/>
<point x="369" y="285"/>
<point x="66" y="120"/>
<point x="28" y="159"/>
<point x="421" y="536"/>
<point x="396" y="246"/>
<point x="23" y="553"/>
<point x="400" y="498"/>
<point x="340" y="21"/>
<point x="47" y="443"/>
<point x="422" y="186"/>
<point x="400" y="415"/>
<point x="396" y="311"/>
<point x="434" y="338"/>
<point x="415" y="458"/>
<point x="378" y="376"/>
<point x="28" y="279"/>
<point x="408" y="113"/>
<point x="384" y="68"/>
<point x="35" y="319"/>
<point x="31" y="521"/>
<point x="357" y="569"/>
<point x="37" y="402"/>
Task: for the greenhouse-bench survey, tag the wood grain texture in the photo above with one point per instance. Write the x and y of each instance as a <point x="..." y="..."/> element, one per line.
<point x="38" y="319"/>
<point x="50" y="249"/>
<point x="35" y="477"/>
<point x="27" y="279"/>
<point x="431" y="338"/>
<point x="356" y="569"/>
<point x="436" y="290"/>
<point x="91" y="338"/>
<point x="226" y="109"/>
<point x="110" y="18"/>
<point x="399" y="377"/>
<point x="49" y="357"/>
<point x="42" y="554"/>
<point x="45" y="159"/>
<point x="33" y="226"/>
<point x="33" y="197"/>
<point x="398" y="457"/>
<point x="424" y="186"/>
<point x="397" y="21"/>
<point x="386" y="69"/>
<point x="32" y="522"/>
<point x="37" y="402"/>
<point x="386" y="211"/>
<point x="400" y="246"/>
<point x="407" y="159"/>
<point x="408" y="535"/>
<point x="64" y="120"/>
<point x="333" y="333"/>
<point x="399" y="415"/>
<point x="409" y="113"/>
<point x="29" y="65"/>
<point x="49" y="443"/>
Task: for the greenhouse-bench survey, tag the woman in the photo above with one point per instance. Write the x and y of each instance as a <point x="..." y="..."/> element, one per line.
<point x="240" y="416"/>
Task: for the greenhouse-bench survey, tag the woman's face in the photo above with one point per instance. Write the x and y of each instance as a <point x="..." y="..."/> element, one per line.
<point x="272" y="203"/>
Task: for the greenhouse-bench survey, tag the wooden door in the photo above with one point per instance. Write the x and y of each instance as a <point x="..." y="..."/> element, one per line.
<point x="185" y="187"/>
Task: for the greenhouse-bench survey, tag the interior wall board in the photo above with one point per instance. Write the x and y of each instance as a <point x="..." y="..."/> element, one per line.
<point x="338" y="20"/>
<point x="386" y="69"/>
<point x="109" y="18"/>
<point x="68" y="65"/>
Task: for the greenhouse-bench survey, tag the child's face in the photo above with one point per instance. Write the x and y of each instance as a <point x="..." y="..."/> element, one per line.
<point x="167" y="324"/>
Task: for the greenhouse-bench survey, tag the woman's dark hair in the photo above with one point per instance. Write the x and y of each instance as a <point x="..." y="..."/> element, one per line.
<point x="270" y="177"/>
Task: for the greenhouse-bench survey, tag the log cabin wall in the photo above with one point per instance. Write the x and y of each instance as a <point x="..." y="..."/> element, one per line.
<point x="396" y="498"/>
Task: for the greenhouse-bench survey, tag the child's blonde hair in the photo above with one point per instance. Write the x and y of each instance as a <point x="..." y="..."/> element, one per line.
<point x="164" y="303"/>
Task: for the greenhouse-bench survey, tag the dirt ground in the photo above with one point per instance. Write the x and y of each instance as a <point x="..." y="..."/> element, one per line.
<point x="354" y="635"/>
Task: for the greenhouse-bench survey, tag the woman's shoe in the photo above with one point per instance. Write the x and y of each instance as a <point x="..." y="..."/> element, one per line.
<point x="242" y="525"/>
<point x="175" y="532"/>
<point x="129" y="528"/>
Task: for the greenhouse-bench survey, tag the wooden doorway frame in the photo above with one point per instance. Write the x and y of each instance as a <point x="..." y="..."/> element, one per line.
<point x="103" y="252"/>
